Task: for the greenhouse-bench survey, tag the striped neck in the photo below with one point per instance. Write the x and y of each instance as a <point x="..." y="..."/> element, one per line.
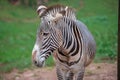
<point x="72" y="43"/>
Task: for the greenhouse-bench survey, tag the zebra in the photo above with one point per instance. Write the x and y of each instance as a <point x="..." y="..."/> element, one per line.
<point x="69" y="41"/>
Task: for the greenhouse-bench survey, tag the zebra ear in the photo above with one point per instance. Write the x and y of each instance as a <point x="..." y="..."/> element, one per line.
<point x="40" y="10"/>
<point x="63" y="12"/>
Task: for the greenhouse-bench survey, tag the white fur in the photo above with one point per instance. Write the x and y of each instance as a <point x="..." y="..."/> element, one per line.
<point x="41" y="7"/>
<point x="36" y="48"/>
<point x="38" y="55"/>
<point x="41" y="59"/>
<point x="66" y="8"/>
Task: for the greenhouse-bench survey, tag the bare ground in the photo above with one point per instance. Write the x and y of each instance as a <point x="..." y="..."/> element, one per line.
<point x="95" y="71"/>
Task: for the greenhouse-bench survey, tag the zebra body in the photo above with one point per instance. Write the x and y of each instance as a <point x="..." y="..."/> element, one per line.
<point x="75" y="61"/>
<point x="71" y="43"/>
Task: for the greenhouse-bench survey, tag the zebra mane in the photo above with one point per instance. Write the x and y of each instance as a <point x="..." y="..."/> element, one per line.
<point x="62" y="22"/>
<point x="53" y="10"/>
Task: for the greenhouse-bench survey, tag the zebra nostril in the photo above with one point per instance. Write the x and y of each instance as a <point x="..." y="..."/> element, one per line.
<point x="35" y="62"/>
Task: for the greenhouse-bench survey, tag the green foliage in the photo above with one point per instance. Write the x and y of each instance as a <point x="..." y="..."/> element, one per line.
<point x="18" y="26"/>
<point x="49" y="61"/>
<point x="30" y="3"/>
<point x="105" y="35"/>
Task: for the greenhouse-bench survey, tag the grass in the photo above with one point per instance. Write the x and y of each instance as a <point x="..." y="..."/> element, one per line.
<point x="18" y="26"/>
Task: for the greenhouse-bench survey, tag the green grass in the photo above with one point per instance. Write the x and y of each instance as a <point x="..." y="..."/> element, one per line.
<point x="18" y="26"/>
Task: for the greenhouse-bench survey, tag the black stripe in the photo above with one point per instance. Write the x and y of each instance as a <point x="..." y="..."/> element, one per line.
<point x="69" y="43"/>
<point x="45" y="52"/>
<point x="44" y="45"/>
<point x="47" y="45"/>
<point x="61" y="53"/>
<point x="80" y="37"/>
<point x="72" y="48"/>
<point x="77" y="46"/>
<point x="47" y="55"/>
<point x="69" y="64"/>
<point x="75" y="62"/>
<point x="54" y="41"/>
<point x="66" y="37"/>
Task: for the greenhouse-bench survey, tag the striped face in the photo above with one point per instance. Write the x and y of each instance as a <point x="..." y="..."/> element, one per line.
<point x="48" y="40"/>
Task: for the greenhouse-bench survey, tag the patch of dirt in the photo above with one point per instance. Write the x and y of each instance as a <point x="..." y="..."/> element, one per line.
<point x="95" y="71"/>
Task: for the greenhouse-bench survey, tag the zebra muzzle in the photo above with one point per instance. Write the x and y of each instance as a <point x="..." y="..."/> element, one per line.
<point x="40" y="62"/>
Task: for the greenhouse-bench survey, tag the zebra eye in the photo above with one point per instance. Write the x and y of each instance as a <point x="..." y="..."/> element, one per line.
<point x="45" y="34"/>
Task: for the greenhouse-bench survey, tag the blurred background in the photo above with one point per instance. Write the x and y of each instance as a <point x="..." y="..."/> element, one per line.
<point x="19" y="23"/>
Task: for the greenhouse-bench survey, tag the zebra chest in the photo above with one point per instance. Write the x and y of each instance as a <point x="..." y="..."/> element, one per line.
<point x="66" y="59"/>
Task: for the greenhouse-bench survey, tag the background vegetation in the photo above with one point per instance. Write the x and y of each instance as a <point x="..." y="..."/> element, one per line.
<point x="19" y="23"/>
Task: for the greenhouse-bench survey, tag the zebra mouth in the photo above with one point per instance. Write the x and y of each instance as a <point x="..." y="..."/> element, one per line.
<point x="40" y="62"/>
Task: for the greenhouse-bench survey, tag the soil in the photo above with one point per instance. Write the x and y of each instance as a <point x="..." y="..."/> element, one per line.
<point x="95" y="71"/>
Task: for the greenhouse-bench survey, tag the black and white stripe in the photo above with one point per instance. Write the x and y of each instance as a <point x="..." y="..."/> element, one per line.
<point x="72" y="41"/>
<point x="74" y="44"/>
<point x="77" y="43"/>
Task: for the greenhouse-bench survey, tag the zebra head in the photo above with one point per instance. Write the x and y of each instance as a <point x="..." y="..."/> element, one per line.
<point x="49" y="38"/>
<point x="49" y="35"/>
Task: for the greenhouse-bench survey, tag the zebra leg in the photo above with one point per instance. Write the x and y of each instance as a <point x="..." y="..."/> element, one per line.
<point x="59" y="74"/>
<point x="64" y="74"/>
<point x="70" y="76"/>
<point x="79" y="75"/>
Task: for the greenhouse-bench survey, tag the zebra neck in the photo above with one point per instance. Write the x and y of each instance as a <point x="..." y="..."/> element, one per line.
<point x="72" y="43"/>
